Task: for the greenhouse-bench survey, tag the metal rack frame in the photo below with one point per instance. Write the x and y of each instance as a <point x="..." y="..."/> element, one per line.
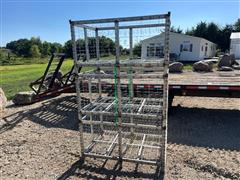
<point x="131" y="116"/>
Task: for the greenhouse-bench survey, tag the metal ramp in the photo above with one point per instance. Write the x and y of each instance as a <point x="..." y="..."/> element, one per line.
<point x="53" y="82"/>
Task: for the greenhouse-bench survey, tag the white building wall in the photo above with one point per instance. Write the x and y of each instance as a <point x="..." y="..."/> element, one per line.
<point x="175" y="42"/>
<point x="235" y="48"/>
<point x="207" y="49"/>
<point x="187" y="55"/>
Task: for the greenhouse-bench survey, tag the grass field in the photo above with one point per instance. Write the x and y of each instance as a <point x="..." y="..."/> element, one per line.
<point x="16" y="78"/>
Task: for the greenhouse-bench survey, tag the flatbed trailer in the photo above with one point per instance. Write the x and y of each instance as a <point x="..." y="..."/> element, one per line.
<point x="212" y="84"/>
<point x="188" y="83"/>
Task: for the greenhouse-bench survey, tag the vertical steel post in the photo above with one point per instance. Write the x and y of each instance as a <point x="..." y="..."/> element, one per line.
<point x="74" y="46"/>
<point x="97" y="44"/>
<point x="86" y="45"/>
<point x="80" y="124"/>
<point x="118" y="90"/>
<point x="79" y="101"/>
<point x="90" y="93"/>
<point x="131" y="42"/>
<point x="165" y="94"/>
<point x="130" y="72"/>
<point x="99" y="79"/>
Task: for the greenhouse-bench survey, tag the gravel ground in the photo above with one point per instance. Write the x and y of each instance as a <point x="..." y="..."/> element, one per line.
<point x="41" y="141"/>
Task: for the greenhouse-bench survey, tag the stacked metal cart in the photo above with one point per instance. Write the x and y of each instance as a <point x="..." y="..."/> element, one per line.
<point x="116" y="121"/>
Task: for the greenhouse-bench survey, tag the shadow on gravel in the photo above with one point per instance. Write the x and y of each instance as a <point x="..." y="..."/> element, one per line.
<point x="57" y="113"/>
<point x="85" y="171"/>
<point x="213" y="128"/>
<point x="9" y="122"/>
<point x="54" y="113"/>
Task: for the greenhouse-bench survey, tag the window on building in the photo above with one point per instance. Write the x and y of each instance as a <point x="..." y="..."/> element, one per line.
<point x="191" y="47"/>
<point x="202" y="48"/>
<point x="151" y="50"/>
<point x="181" y="48"/>
<point x="155" y="50"/>
<point x="186" y="47"/>
<point x="148" y="51"/>
<point x="159" y="50"/>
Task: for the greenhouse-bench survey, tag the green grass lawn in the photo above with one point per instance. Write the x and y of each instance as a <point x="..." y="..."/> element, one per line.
<point x="187" y="67"/>
<point x="16" y="78"/>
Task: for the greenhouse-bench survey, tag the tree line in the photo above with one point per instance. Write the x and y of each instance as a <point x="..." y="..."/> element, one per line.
<point x="35" y="48"/>
<point x="213" y="32"/>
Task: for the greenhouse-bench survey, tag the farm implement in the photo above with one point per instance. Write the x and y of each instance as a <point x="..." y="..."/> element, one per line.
<point x="52" y="83"/>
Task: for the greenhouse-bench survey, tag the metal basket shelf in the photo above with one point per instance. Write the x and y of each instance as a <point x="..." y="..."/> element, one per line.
<point x="118" y="119"/>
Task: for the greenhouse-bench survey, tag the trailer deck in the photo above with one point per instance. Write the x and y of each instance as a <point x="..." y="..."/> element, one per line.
<point x="212" y="81"/>
<point x="218" y="78"/>
<point x="212" y="84"/>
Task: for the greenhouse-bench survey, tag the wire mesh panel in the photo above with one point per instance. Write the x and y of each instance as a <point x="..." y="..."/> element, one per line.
<point x="122" y="97"/>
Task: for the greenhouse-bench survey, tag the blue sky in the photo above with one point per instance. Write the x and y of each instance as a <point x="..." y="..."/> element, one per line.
<point x="49" y="19"/>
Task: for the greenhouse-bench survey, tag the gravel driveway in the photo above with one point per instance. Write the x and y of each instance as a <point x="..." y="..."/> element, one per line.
<point x="41" y="141"/>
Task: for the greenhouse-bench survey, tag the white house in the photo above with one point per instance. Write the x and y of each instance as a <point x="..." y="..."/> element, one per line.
<point x="235" y="44"/>
<point x="185" y="47"/>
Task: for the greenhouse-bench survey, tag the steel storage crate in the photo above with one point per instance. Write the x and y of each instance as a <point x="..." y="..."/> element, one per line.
<point x="116" y="122"/>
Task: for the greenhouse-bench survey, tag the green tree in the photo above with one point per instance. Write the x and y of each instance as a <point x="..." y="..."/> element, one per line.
<point x="107" y="46"/>
<point x="176" y="30"/>
<point x="36" y="41"/>
<point x="201" y="30"/>
<point x="225" y="34"/>
<point x="190" y="32"/>
<point x="46" y="49"/>
<point x="237" y="25"/>
<point x="212" y="33"/>
<point x="67" y="49"/>
<point x="56" y="48"/>
<point x="34" y="51"/>
<point x="125" y="51"/>
<point x="20" y="47"/>
<point x="137" y="50"/>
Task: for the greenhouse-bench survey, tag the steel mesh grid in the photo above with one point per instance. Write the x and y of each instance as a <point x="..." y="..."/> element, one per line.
<point x="97" y="112"/>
